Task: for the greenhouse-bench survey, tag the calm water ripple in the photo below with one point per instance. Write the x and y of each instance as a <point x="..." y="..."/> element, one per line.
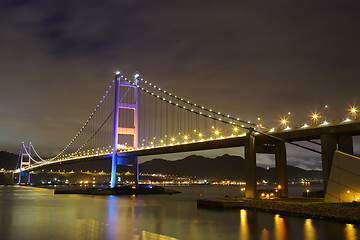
<point x="33" y="213"/>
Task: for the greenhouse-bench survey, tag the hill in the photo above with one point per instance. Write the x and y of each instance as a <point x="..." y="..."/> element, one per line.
<point x="219" y="168"/>
<point x="8" y="160"/>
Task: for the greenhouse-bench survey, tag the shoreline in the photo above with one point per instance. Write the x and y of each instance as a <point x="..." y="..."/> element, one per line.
<point x="298" y="207"/>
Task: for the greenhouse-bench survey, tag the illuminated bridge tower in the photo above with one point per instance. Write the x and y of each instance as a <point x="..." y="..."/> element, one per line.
<point x="126" y="126"/>
<point x="25" y="161"/>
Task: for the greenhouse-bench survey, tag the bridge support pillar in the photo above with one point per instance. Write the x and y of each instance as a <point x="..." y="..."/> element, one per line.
<point x="25" y="161"/>
<point x="250" y="163"/>
<point x="279" y="150"/>
<point x="122" y="129"/>
<point x="136" y="171"/>
<point x="127" y="160"/>
<point x="25" y="174"/>
<point x="328" y="147"/>
<point x="281" y="168"/>
<point x="113" y="171"/>
<point x="345" y="144"/>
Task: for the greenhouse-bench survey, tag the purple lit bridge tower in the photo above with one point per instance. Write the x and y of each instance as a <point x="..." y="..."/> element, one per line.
<point x="25" y="162"/>
<point x="126" y="104"/>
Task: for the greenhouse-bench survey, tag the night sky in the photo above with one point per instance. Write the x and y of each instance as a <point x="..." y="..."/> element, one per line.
<point x="248" y="59"/>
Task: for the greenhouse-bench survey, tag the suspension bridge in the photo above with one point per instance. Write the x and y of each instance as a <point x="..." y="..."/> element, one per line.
<point x="136" y="118"/>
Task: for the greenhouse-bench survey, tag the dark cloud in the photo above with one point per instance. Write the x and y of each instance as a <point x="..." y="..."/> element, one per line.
<point x="248" y="59"/>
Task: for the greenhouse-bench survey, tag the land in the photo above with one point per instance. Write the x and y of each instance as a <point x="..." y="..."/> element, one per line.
<point x="314" y="208"/>
<point x="221" y="168"/>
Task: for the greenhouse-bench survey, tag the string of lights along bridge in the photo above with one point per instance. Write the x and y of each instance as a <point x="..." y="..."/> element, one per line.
<point x="136" y="115"/>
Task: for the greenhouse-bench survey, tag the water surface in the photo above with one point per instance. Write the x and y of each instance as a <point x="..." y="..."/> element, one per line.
<point x="33" y="213"/>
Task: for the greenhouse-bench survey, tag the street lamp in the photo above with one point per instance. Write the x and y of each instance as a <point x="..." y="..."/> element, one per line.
<point x="325" y="108"/>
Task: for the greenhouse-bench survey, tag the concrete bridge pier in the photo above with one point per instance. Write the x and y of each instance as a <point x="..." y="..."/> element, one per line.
<point x="281" y="168"/>
<point x="136" y="171"/>
<point x="131" y="160"/>
<point x="329" y="143"/>
<point x="345" y="144"/>
<point x="279" y="150"/>
<point x="250" y="165"/>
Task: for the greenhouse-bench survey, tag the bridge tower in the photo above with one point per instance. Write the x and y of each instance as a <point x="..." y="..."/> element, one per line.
<point x="131" y="133"/>
<point x="25" y="161"/>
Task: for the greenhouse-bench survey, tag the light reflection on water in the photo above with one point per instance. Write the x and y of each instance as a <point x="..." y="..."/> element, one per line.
<point x="309" y="230"/>
<point x="279" y="228"/>
<point x="32" y="213"/>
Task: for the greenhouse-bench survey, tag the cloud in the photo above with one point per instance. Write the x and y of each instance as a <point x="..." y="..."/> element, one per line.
<point x="247" y="59"/>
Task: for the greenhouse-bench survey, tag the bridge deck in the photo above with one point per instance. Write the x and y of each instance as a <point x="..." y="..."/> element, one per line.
<point x="300" y="134"/>
<point x="351" y="128"/>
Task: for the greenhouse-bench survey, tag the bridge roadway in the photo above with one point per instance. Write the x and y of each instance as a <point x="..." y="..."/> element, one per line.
<point x="351" y="128"/>
<point x="332" y="136"/>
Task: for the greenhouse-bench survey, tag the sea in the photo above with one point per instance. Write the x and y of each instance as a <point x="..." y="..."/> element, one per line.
<point x="36" y="213"/>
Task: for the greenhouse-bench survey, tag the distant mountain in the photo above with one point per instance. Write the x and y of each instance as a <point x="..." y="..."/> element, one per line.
<point x="8" y="160"/>
<point x="219" y="168"/>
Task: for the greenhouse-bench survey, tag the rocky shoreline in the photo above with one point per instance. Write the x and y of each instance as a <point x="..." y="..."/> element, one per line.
<point x="303" y="207"/>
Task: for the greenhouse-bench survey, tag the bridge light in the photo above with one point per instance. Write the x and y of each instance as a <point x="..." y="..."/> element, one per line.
<point x="117" y="73"/>
<point x="236" y="129"/>
<point x="315" y="117"/>
<point x="173" y="139"/>
<point x="347" y="120"/>
<point x="217" y="132"/>
<point x="353" y="111"/>
<point x="284" y="121"/>
<point x="185" y="137"/>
